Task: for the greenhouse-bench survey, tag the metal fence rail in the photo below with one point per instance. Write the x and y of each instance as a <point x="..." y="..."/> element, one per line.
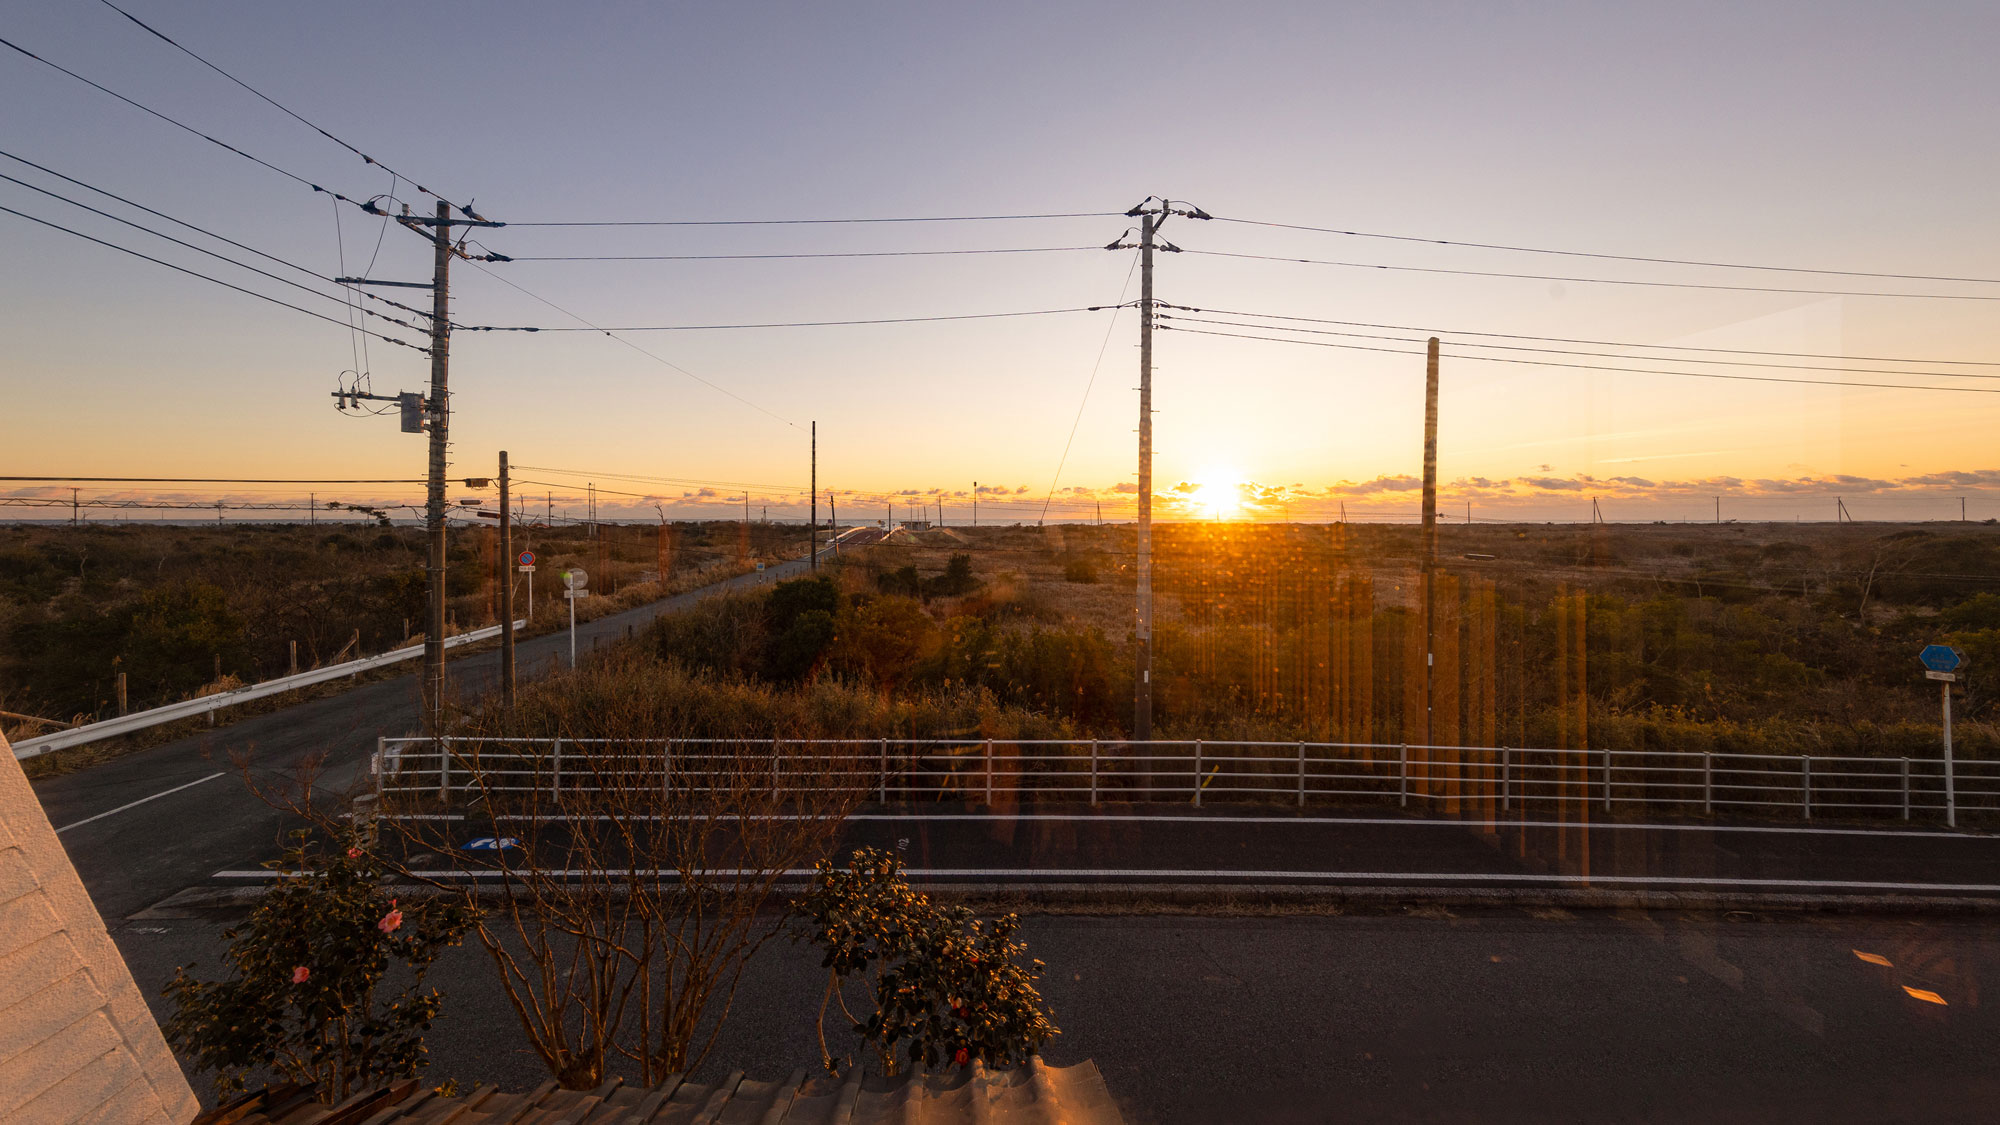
<point x="1495" y="779"/>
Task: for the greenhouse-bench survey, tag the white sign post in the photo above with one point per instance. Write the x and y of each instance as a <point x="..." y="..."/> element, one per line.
<point x="1942" y="662"/>
<point x="575" y="583"/>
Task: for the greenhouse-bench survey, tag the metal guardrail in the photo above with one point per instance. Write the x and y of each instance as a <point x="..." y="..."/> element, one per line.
<point x="1493" y="779"/>
<point x="209" y="704"/>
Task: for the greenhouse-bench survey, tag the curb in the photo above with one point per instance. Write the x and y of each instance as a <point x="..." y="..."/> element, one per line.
<point x="1281" y="898"/>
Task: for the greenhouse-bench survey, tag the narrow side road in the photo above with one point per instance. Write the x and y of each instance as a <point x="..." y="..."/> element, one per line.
<point x="140" y="827"/>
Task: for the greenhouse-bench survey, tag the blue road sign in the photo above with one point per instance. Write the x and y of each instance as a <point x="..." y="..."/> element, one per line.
<point x="489" y="844"/>
<point x="1941" y="658"/>
<point x="527" y="558"/>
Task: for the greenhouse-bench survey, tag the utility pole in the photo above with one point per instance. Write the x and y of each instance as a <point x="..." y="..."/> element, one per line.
<point x="975" y="503"/>
<point x="1430" y="535"/>
<point x="812" y="551"/>
<point x="507" y="591"/>
<point x="440" y="419"/>
<point x="1151" y="213"/>
<point x="74" y="516"/>
<point x="833" y="518"/>
<point x="1718" y="509"/>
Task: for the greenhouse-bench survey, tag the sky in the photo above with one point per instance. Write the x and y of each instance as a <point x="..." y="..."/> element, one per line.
<point x="1820" y="136"/>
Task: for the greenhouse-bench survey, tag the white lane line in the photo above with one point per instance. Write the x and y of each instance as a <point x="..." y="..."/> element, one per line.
<point x="1198" y="874"/>
<point x="1389" y="821"/>
<point x="141" y="801"/>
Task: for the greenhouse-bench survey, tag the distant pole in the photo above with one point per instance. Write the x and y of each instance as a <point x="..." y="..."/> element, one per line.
<point x="1142" y="687"/>
<point x="833" y="517"/>
<point x="812" y="549"/>
<point x="1718" y="509"/>
<point x="312" y="510"/>
<point x="1430" y="537"/>
<point x="975" y="503"/>
<point x="74" y="516"/>
<point x="1961" y="509"/>
<point x="507" y="591"/>
<point x="940" y="504"/>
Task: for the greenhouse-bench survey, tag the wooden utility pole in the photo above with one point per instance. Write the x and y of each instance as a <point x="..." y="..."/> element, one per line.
<point x="440" y="420"/>
<point x="507" y="591"/>
<point x="975" y="503"/>
<point x="1430" y="540"/>
<point x="812" y="551"/>
<point x="1142" y="685"/>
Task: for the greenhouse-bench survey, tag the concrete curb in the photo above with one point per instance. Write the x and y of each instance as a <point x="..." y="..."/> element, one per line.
<point x="1242" y="898"/>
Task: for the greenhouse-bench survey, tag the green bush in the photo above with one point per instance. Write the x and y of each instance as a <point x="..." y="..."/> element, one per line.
<point x="948" y="987"/>
<point x="308" y="964"/>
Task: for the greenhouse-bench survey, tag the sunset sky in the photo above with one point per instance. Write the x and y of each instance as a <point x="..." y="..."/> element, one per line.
<point x="1825" y="136"/>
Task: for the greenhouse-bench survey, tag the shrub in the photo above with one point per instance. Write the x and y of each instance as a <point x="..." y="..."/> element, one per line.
<point x="307" y="966"/>
<point x="948" y="985"/>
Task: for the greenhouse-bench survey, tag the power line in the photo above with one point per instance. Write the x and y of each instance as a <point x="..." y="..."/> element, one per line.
<point x="215" y="280"/>
<point x="1094" y="367"/>
<point x="217" y="256"/>
<point x="824" y="222"/>
<point x="1599" y="280"/>
<point x="1598" y="343"/>
<point x="773" y="324"/>
<point x="1602" y="355"/>
<point x="792" y="257"/>
<point x="178" y="124"/>
<point x="1614" y="257"/>
<point x="287" y="111"/>
<point x="1594" y="367"/>
<point x="196" y="480"/>
<point x="644" y="479"/>
<point x="612" y="333"/>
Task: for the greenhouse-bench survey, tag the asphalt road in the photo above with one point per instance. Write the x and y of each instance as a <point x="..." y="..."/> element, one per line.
<point x="147" y="824"/>
<point x="1502" y="1015"/>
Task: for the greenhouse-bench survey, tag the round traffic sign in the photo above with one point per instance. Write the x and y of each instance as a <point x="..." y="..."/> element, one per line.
<point x="527" y="559"/>
<point x="575" y="578"/>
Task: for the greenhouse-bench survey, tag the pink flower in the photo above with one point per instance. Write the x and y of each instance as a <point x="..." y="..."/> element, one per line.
<point x="354" y="853"/>
<point x="391" y="921"/>
<point x="300" y="973"/>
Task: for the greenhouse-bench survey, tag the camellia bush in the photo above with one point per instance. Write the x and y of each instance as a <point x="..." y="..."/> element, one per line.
<point x="949" y="987"/>
<point x="306" y="1001"/>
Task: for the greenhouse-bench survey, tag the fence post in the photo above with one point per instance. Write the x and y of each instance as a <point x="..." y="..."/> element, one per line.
<point x="555" y="781"/>
<point x="989" y="773"/>
<point x="666" y="770"/>
<point x="1302" y="773"/>
<point x="1607" y="779"/>
<point x="882" y="782"/>
<point x="1093" y="773"/>
<point x="1506" y="779"/>
<point x="1403" y="768"/>
<point x="444" y="769"/>
<point x="1707" y="782"/>
<point x="1805" y="786"/>
<point x="380" y="766"/>
<point x="777" y="748"/>
<point x="1906" y="789"/>
<point x="1197" y="773"/>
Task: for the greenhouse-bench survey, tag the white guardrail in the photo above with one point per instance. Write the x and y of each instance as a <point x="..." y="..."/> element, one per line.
<point x="1492" y="778"/>
<point x="209" y="704"/>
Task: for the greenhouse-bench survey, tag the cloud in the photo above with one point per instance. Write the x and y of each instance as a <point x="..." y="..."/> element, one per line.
<point x="1554" y="484"/>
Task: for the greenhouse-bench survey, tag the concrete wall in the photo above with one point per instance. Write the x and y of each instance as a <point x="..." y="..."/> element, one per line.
<point x="77" y="1042"/>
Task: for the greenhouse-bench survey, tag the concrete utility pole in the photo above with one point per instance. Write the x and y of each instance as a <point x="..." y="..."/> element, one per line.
<point x="1151" y="213"/>
<point x="440" y="419"/>
<point x="507" y="591"/>
<point x="1430" y="540"/>
<point x="1142" y="688"/>
<point x="812" y="550"/>
<point x="975" y="503"/>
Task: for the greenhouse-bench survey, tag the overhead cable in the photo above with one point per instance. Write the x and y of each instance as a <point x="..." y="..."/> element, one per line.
<point x="1615" y="257"/>
<point x="286" y="110"/>
<point x="191" y="129"/>
<point x="216" y="280"/>
<point x="779" y="323"/>
<point x="1838" y="383"/>
<point x="1600" y="280"/>
<point x="824" y="222"/>
<point x="789" y="257"/>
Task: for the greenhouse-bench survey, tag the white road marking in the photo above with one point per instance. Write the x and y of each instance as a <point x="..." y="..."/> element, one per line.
<point x="140" y="801"/>
<point x="1397" y="822"/>
<point x="1199" y="874"/>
